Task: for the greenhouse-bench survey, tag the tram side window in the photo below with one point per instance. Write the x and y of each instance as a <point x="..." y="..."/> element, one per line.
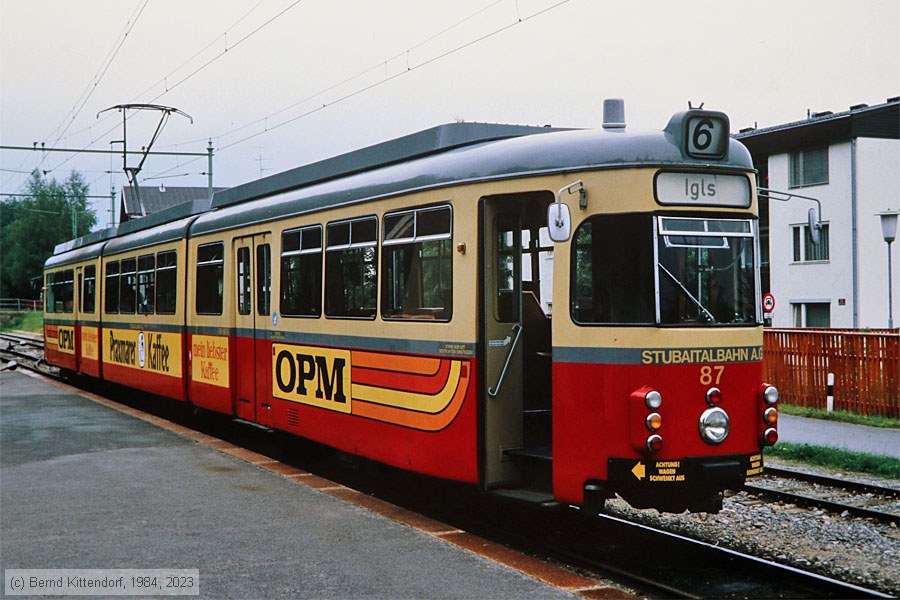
<point x="263" y="279"/>
<point x="210" y="271"/>
<point x="243" y="280"/>
<point x="89" y="289"/>
<point x="301" y="272"/>
<point x="146" y="289"/>
<point x="612" y="270"/>
<point x="166" y="282"/>
<point x="351" y="268"/>
<point x="111" y="301"/>
<point x="60" y="292"/>
<point x="128" y="286"/>
<point x="417" y="282"/>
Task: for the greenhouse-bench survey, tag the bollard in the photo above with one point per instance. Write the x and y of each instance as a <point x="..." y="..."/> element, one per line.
<point x="829" y="401"/>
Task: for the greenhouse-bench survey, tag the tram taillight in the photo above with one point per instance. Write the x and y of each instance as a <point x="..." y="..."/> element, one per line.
<point x="768" y="397"/>
<point x="643" y="400"/>
<point x="713" y="396"/>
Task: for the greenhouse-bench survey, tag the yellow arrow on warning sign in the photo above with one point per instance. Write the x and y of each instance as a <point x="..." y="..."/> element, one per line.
<point x="639" y="470"/>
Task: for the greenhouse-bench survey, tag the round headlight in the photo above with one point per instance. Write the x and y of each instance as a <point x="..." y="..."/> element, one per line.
<point x="653" y="400"/>
<point x="714" y="425"/>
<point x="770" y="394"/>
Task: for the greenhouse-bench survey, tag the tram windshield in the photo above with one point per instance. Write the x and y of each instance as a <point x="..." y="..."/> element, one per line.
<point x="642" y="270"/>
<point x="705" y="271"/>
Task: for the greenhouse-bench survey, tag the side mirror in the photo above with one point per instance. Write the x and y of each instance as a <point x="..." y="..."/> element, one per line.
<point x="559" y="221"/>
<point x="814" y="225"/>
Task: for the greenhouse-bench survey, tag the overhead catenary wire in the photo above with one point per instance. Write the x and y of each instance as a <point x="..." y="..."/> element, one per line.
<point x="519" y="20"/>
<point x="206" y="64"/>
<point x="93" y="83"/>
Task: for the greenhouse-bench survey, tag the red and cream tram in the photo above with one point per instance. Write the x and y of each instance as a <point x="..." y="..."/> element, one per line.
<point x="570" y="312"/>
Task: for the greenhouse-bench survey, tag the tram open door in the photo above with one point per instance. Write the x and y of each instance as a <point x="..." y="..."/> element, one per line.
<point x="515" y="338"/>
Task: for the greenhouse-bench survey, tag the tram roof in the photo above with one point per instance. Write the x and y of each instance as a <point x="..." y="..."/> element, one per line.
<point x="443" y="156"/>
<point x="559" y="151"/>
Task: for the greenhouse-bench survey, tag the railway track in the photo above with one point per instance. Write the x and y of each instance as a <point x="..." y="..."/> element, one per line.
<point x="23" y="350"/>
<point x="843" y="496"/>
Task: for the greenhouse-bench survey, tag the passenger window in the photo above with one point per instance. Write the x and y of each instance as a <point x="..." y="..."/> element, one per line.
<point x="166" y="282"/>
<point x="243" y="280"/>
<point x="111" y="303"/>
<point x="146" y="294"/>
<point x="128" y="286"/>
<point x="301" y="272"/>
<point x="263" y="279"/>
<point x="60" y="291"/>
<point x="351" y="268"/>
<point x="89" y="289"/>
<point x="418" y="278"/>
<point x="209" y="280"/>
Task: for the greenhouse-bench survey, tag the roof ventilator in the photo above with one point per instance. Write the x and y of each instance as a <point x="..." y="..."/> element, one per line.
<point x="614" y="113"/>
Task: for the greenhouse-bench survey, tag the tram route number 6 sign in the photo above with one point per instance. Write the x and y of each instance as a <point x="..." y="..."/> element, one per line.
<point x="707" y="135"/>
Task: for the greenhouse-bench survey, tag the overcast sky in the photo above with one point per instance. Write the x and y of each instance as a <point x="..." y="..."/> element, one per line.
<point x="280" y="83"/>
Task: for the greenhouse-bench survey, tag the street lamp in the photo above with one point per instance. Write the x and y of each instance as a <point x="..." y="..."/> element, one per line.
<point x="889" y="231"/>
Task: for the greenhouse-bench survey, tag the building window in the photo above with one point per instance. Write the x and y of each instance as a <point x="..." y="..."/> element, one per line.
<point x="809" y="167"/>
<point x="301" y="272"/>
<point x="351" y="268"/>
<point x="804" y="249"/>
<point x="210" y="271"/>
<point x="418" y="282"/>
<point x="811" y="314"/>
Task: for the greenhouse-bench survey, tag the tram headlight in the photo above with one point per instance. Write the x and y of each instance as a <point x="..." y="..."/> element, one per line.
<point x="714" y="425"/>
<point x="769" y="394"/>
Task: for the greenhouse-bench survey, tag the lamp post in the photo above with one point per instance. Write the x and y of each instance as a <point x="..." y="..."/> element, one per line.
<point x="889" y="231"/>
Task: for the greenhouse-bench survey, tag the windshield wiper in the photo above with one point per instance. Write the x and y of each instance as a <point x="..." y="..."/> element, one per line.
<point x="687" y="293"/>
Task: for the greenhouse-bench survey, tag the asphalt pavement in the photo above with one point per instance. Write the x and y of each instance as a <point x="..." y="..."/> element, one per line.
<point x="857" y="438"/>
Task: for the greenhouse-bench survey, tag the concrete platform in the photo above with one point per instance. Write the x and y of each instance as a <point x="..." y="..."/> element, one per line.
<point x="86" y="486"/>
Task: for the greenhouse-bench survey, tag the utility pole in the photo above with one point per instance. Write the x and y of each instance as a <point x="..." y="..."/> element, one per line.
<point x="209" y="170"/>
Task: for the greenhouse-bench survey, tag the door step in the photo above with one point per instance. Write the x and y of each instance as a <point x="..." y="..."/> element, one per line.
<point x="253" y="425"/>
<point x="538" y="497"/>
<point x="536" y="453"/>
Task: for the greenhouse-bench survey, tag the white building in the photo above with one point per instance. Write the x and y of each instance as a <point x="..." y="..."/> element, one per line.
<point x="850" y="161"/>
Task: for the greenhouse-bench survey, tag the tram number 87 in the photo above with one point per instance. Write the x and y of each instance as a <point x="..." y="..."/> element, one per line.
<point x="711" y="375"/>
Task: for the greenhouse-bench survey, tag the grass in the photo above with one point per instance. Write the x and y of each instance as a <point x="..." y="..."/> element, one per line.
<point x="16" y="321"/>
<point x="835" y="458"/>
<point x="840" y="415"/>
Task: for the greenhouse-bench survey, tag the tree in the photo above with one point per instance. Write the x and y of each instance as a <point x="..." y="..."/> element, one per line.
<point x="31" y="226"/>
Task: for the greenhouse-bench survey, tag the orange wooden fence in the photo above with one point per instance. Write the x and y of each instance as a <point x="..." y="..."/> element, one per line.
<point x="866" y="367"/>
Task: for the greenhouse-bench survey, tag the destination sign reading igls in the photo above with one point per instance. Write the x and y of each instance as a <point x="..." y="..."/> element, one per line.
<point x="702" y="189"/>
